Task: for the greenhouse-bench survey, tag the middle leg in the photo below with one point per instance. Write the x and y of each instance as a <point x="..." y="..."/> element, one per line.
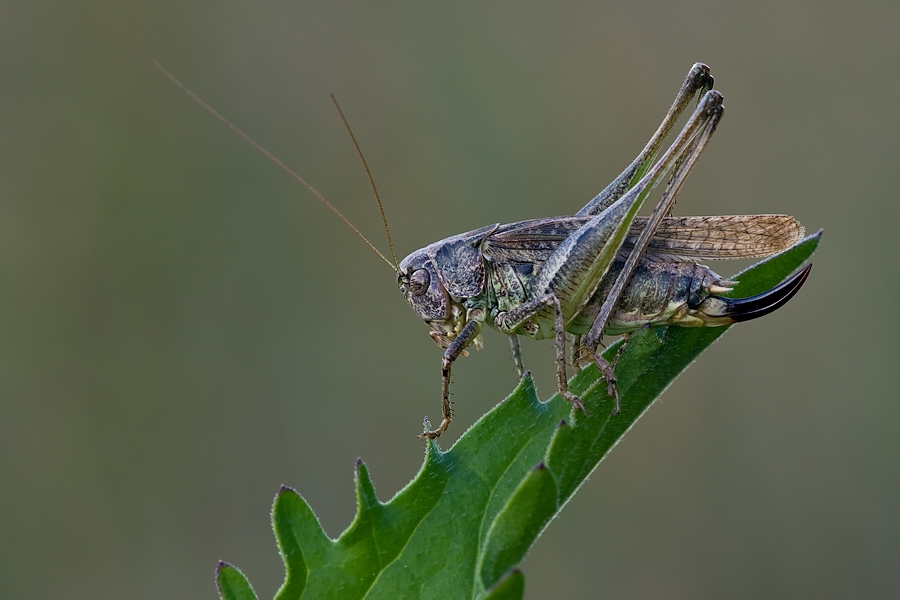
<point x="517" y="354"/>
<point x="510" y="322"/>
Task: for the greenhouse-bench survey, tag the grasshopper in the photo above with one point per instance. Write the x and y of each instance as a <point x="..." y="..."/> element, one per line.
<point x="601" y="271"/>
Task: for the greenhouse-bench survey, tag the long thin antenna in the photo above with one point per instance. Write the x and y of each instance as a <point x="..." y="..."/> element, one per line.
<point x="369" y="173"/>
<point x="271" y="157"/>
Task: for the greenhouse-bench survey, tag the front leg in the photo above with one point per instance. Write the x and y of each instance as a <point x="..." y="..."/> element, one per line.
<point x="457" y="346"/>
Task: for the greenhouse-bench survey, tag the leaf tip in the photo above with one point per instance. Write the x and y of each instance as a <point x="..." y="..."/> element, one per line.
<point x="527" y="380"/>
<point x="291" y="513"/>
<point x="283" y="489"/>
<point x="232" y="584"/>
<point x="365" y="489"/>
<point x="219" y="567"/>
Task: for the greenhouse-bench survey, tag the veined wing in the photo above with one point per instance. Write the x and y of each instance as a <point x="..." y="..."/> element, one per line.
<point x="677" y="238"/>
<point x="530" y="241"/>
<point x="720" y="237"/>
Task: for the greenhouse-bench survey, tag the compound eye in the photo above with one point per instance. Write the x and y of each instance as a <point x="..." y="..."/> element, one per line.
<point x="418" y="281"/>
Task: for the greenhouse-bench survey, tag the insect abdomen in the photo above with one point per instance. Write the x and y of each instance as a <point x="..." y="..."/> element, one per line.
<point x="659" y="293"/>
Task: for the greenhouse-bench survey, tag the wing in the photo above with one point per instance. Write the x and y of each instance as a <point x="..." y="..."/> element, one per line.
<point x="720" y="237"/>
<point x="677" y="239"/>
<point x="530" y="242"/>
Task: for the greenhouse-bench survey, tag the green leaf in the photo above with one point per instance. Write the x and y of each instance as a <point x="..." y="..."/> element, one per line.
<point x="461" y="527"/>
<point x="523" y="518"/>
<point x="510" y="587"/>
<point x="232" y="584"/>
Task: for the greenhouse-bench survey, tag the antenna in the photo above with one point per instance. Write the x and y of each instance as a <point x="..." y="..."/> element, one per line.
<point x="369" y="173"/>
<point x="271" y="157"/>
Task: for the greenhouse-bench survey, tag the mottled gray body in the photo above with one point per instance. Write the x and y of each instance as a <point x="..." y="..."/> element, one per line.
<point x="603" y="270"/>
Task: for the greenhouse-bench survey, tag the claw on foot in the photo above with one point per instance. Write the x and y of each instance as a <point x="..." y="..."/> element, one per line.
<point x="576" y="402"/>
<point x="434" y="433"/>
<point x="608" y="371"/>
<point x="618" y="407"/>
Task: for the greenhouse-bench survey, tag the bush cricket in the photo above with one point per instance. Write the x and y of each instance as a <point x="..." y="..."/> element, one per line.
<point x="601" y="271"/>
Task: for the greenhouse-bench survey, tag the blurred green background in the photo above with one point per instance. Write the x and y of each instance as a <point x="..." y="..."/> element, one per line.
<point x="183" y="328"/>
